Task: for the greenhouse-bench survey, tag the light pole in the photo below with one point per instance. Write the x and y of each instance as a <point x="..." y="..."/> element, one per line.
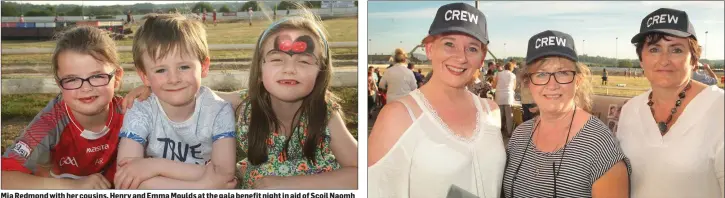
<point x="583" y="47"/>
<point x="616" y="51"/>
<point x="505" y="51"/>
<point x="706" y="44"/>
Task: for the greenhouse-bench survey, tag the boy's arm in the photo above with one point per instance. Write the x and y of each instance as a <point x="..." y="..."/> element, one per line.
<point x="224" y="148"/>
<point x="179" y="170"/>
<point x="223" y="152"/>
<point x="132" y="139"/>
<point x="161" y="182"/>
<point x="344" y="147"/>
<point x="211" y="179"/>
<point x="178" y="175"/>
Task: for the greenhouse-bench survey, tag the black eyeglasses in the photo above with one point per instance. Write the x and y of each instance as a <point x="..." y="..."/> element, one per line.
<point x="97" y="80"/>
<point x="543" y="78"/>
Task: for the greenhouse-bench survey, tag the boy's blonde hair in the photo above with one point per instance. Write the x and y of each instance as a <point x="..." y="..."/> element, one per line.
<point x="162" y="33"/>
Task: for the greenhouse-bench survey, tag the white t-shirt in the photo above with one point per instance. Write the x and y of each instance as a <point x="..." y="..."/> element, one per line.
<point x="685" y="162"/>
<point x="505" y="84"/>
<point x="398" y="80"/>
<point x="189" y="141"/>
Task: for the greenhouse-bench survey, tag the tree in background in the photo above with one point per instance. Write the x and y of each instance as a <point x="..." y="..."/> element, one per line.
<point x="10" y="9"/>
<point x="76" y="11"/>
<point x="249" y="4"/>
<point x="199" y="7"/>
<point x="37" y="12"/>
<point x="225" y="8"/>
<point x="286" y="5"/>
<point x="313" y="4"/>
<point x="625" y="64"/>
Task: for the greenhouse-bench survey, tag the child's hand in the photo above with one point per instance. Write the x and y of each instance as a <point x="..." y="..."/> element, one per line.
<point x="216" y="179"/>
<point x="140" y="93"/>
<point x="268" y="183"/>
<point x="133" y="171"/>
<point x="94" y="181"/>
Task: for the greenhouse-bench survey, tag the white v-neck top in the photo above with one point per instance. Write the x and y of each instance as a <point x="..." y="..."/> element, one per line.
<point x="429" y="158"/>
<point x="685" y="162"/>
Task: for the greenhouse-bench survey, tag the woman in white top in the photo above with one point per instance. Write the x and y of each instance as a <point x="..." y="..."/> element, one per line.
<point x="505" y="83"/>
<point x="398" y="80"/>
<point x="441" y="138"/>
<point x="673" y="134"/>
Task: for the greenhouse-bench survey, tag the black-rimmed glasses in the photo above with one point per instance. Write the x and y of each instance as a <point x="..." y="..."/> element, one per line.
<point x="543" y="78"/>
<point x="96" y="80"/>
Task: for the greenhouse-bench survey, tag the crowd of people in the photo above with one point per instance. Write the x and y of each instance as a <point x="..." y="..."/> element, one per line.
<point x="449" y="138"/>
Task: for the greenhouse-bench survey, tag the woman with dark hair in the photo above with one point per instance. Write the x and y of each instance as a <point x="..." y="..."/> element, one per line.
<point x="673" y="133"/>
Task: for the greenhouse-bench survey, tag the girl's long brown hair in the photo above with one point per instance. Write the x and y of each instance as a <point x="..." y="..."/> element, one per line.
<point x="314" y="106"/>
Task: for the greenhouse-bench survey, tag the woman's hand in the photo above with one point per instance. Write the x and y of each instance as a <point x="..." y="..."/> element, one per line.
<point x="141" y="93"/>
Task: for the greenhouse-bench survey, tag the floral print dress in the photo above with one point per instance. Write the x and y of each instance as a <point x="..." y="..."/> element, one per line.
<point x="278" y="164"/>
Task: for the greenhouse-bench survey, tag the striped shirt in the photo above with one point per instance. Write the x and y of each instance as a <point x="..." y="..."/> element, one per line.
<point x="589" y="154"/>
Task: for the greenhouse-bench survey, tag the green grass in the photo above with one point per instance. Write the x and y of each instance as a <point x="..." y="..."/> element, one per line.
<point x="634" y="86"/>
<point x="339" y="29"/>
<point x="19" y="109"/>
<point x="127" y="57"/>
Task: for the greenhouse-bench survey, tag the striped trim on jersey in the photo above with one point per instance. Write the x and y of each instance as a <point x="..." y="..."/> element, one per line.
<point x="42" y="134"/>
<point x="590" y="154"/>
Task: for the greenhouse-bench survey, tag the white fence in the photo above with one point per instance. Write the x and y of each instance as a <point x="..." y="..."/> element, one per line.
<point x="225" y="80"/>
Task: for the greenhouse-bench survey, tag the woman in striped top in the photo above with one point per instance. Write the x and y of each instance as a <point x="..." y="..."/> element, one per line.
<point x="565" y="151"/>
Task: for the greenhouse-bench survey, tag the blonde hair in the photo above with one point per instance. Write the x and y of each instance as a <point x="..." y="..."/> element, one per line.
<point x="509" y="66"/>
<point x="583" y="86"/>
<point x="314" y="107"/>
<point x="476" y="75"/>
<point x="400" y="56"/>
<point x="161" y="33"/>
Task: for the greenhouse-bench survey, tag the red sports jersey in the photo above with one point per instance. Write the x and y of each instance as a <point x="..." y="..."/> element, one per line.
<point x="214" y="15"/>
<point x="55" y="138"/>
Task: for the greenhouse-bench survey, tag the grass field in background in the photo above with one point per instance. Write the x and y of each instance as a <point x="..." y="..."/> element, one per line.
<point x="127" y="57"/>
<point x="340" y="29"/>
<point x="19" y="109"/>
<point x="633" y="86"/>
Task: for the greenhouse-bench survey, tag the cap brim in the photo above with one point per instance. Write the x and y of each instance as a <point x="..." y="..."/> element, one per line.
<point x="459" y="30"/>
<point x="550" y="53"/>
<point x="671" y="32"/>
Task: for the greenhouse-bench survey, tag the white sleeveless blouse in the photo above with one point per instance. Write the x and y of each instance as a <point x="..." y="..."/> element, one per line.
<point x="429" y="158"/>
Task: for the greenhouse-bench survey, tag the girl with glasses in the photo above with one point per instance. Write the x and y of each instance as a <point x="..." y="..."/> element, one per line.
<point x="71" y="143"/>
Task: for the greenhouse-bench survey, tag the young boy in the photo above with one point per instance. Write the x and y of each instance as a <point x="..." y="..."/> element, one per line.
<point x="167" y="139"/>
